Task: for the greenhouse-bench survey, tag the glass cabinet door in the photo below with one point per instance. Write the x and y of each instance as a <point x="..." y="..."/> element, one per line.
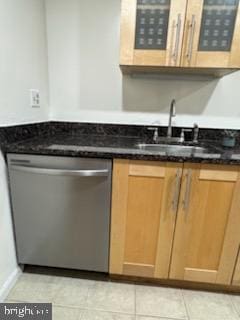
<point x="152" y="32"/>
<point x="212" y="34"/>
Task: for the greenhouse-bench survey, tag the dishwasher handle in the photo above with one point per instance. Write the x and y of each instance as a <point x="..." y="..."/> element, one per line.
<point x="61" y="172"/>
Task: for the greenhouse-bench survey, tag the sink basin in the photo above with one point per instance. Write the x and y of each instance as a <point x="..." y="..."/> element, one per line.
<point x="173" y="149"/>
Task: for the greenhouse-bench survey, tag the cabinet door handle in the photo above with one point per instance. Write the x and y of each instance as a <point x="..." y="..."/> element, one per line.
<point x="192" y="26"/>
<point x="176" y="191"/>
<point x="188" y="190"/>
<point x="178" y="32"/>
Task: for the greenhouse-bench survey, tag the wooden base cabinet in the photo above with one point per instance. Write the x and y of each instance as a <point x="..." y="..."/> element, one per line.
<point x="207" y="234"/>
<point x="144" y="207"/>
<point x="175" y="221"/>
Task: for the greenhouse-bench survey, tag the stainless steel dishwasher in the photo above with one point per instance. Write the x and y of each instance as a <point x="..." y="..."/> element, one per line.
<point x="61" y="210"/>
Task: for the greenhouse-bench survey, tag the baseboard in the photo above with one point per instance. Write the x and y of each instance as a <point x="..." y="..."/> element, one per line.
<point x="9" y="283"/>
<point x="182" y="284"/>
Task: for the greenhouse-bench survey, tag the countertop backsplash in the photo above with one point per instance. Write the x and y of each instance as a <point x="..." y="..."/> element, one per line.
<point x="12" y="134"/>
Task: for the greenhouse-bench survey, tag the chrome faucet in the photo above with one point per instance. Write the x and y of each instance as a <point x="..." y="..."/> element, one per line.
<point x="172" y="114"/>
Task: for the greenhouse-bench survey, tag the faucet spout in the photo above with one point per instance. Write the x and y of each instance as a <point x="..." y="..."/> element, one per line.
<point x="172" y="114"/>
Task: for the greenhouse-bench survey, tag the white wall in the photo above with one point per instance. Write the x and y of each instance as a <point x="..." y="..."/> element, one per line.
<point x="82" y="52"/>
<point x="23" y="66"/>
<point x="23" y="60"/>
<point x="86" y="83"/>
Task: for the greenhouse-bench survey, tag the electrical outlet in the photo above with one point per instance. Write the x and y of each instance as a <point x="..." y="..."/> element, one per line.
<point x="34" y="98"/>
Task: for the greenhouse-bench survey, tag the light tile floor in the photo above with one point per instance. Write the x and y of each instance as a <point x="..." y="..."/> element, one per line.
<point x="81" y="299"/>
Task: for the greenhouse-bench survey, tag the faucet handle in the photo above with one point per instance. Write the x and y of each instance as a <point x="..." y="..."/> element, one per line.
<point x="182" y="136"/>
<point x="155" y="135"/>
<point x="195" y="133"/>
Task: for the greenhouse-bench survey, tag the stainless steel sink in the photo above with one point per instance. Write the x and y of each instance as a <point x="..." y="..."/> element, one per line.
<point x="173" y="149"/>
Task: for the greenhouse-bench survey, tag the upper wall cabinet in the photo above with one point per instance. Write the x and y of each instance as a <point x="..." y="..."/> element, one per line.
<point x="212" y="34"/>
<point x="188" y="34"/>
<point x="152" y="32"/>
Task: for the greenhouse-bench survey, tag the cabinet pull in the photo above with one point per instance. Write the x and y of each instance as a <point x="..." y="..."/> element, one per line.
<point x="176" y="191"/>
<point x="178" y="32"/>
<point x="188" y="190"/>
<point x="192" y="26"/>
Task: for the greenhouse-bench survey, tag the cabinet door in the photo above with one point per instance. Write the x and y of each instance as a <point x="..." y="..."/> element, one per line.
<point x="144" y="206"/>
<point x="207" y="230"/>
<point x="236" y="276"/>
<point x="212" y="34"/>
<point x="152" y="32"/>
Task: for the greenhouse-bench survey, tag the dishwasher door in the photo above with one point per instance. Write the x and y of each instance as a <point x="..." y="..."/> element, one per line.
<point x="61" y="210"/>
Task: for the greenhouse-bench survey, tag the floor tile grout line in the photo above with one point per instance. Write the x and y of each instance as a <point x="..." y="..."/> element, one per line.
<point x="91" y="288"/>
<point x="83" y="309"/>
<point x="81" y="314"/>
<point x="80" y="308"/>
<point x="62" y="305"/>
<point x="158" y="317"/>
<point x="233" y="305"/>
<point x="185" y="304"/>
<point x="102" y="311"/>
<point x="91" y="308"/>
<point x="69" y="306"/>
<point x="135" y="300"/>
<point x="87" y="298"/>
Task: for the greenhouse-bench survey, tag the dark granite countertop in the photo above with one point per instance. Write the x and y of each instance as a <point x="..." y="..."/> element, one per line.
<point x="110" y="146"/>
